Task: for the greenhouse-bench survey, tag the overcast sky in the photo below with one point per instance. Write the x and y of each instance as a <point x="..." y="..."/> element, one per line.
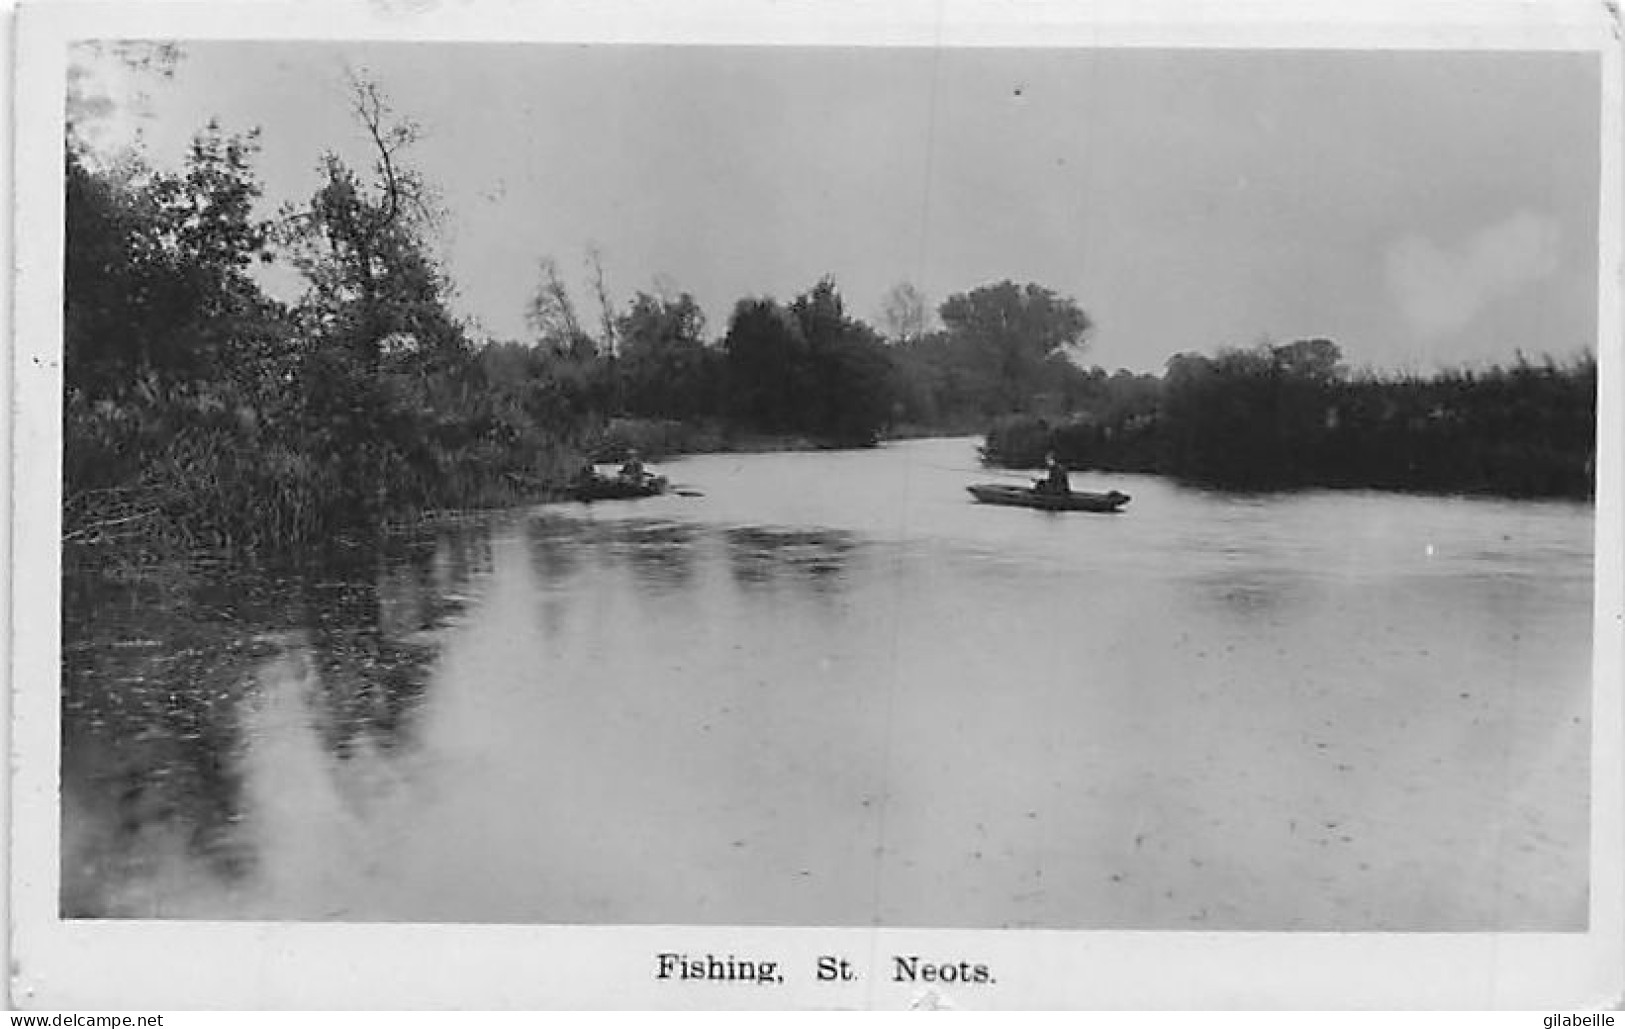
<point x="1420" y="208"/>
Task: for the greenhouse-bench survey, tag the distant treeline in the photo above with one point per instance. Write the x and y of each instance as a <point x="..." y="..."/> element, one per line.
<point x="810" y="371"/>
<point x="200" y="409"/>
<point x="1283" y="416"/>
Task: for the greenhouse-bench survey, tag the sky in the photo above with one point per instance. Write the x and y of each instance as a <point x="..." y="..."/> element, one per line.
<point x="1422" y="209"/>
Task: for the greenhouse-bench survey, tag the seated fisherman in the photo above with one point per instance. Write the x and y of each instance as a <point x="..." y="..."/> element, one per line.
<point x="1055" y="481"/>
<point x="632" y="471"/>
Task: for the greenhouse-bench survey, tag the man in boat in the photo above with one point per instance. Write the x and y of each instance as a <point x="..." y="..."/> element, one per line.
<point x="1055" y="480"/>
<point x="632" y="471"/>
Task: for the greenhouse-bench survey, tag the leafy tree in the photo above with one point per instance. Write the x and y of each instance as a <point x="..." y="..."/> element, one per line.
<point x="375" y="288"/>
<point x="156" y="267"/>
<point x="769" y="366"/>
<point x="180" y="402"/>
<point x="808" y="368"/>
<point x="376" y="322"/>
<point x="665" y="368"/>
<point x="197" y="410"/>
<point x="1315" y="360"/>
<point x="1002" y="334"/>
<point x="851" y="372"/>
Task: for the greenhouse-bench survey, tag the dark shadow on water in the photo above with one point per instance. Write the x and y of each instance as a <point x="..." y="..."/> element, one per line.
<point x="160" y="667"/>
<point x="368" y="614"/>
<point x="555" y="549"/>
<point x="818" y="560"/>
<point x="665" y="556"/>
<point x="150" y="726"/>
<point x="661" y="555"/>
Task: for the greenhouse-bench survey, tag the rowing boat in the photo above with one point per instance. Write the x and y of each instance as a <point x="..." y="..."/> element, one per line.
<point x="1026" y="496"/>
<point x="602" y="488"/>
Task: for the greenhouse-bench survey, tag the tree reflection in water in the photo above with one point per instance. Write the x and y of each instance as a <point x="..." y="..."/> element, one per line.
<point x="660" y="554"/>
<point x="819" y="560"/>
<point x="161" y="673"/>
<point x="663" y="556"/>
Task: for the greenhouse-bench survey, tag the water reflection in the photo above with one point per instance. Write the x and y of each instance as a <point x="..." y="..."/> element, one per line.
<point x="817" y="560"/>
<point x="661" y="554"/>
<point x="554" y="547"/>
<point x="163" y="673"/>
<point x="149" y="720"/>
<point x="362" y="611"/>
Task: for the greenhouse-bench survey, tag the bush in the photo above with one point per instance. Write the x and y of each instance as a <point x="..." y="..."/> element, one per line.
<point x="1018" y="441"/>
<point x="652" y="438"/>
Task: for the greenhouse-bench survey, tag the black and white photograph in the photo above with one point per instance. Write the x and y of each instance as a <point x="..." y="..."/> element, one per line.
<point x="994" y="488"/>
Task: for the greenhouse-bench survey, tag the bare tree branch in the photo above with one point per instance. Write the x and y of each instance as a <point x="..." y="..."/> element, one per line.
<point x="606" y="311"/>
<point x="389" y="135"/>
<point x="552" y="313"/>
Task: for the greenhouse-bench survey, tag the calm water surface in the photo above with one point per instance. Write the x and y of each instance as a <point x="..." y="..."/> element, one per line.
<point x="833" y="691"/>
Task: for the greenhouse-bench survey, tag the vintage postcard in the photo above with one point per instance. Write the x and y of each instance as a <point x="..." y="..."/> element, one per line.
<point x="857" y="506"/>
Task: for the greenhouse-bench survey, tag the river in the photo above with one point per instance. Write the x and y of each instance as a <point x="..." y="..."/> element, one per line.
<point x="828" y="689"/>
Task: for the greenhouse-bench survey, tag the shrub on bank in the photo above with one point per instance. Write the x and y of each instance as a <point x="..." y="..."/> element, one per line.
<point x="1019" y="441"/>
<point x="653" y="438"/>
<point x="1284" y="417"/>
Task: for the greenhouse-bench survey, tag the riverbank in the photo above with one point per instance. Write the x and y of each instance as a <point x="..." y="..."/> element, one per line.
<point x="655" y="439"/>
<point x="1271" y="419"/>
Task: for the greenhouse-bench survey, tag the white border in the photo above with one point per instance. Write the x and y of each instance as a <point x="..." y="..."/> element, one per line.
<point x="8" y="35"/>
<point x="175" y="965"/>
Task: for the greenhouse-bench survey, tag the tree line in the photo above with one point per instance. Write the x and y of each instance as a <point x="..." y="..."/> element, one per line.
<point x="1293" y="415"/>
<point x="198" y="408"/>
<point x="810" y="370"/>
